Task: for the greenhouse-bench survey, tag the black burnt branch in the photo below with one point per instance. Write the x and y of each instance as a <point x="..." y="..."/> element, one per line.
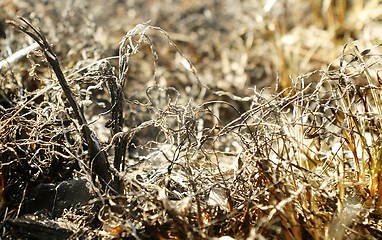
<point x="117" y="122"/>
<point x="99" y="164"/>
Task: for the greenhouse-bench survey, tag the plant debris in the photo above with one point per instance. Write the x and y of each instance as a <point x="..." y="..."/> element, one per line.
<point x="211" y="121"/>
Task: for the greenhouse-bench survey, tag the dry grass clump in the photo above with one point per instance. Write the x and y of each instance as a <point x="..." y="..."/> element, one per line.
<point x="142" y="146"/>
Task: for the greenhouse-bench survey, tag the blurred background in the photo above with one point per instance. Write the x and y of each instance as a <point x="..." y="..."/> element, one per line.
<point x="234" y="45"/>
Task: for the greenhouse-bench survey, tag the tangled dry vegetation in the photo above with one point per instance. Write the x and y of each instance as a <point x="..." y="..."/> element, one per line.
<point x="203" y="128"/>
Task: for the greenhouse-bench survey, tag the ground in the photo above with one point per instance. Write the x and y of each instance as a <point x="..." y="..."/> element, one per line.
<point x="190" y="119"/>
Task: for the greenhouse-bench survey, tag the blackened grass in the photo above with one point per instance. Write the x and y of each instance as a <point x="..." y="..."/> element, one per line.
<point x="98" y="159"/>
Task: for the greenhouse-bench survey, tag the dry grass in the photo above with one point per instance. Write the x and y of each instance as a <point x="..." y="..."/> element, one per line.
<point x="249" y="121"/>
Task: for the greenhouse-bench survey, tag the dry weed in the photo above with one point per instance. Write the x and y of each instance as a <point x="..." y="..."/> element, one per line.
<point x="162" y="148"/>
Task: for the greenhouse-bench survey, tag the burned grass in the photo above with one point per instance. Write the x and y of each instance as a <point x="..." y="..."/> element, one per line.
<point x="141" y="145"/>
